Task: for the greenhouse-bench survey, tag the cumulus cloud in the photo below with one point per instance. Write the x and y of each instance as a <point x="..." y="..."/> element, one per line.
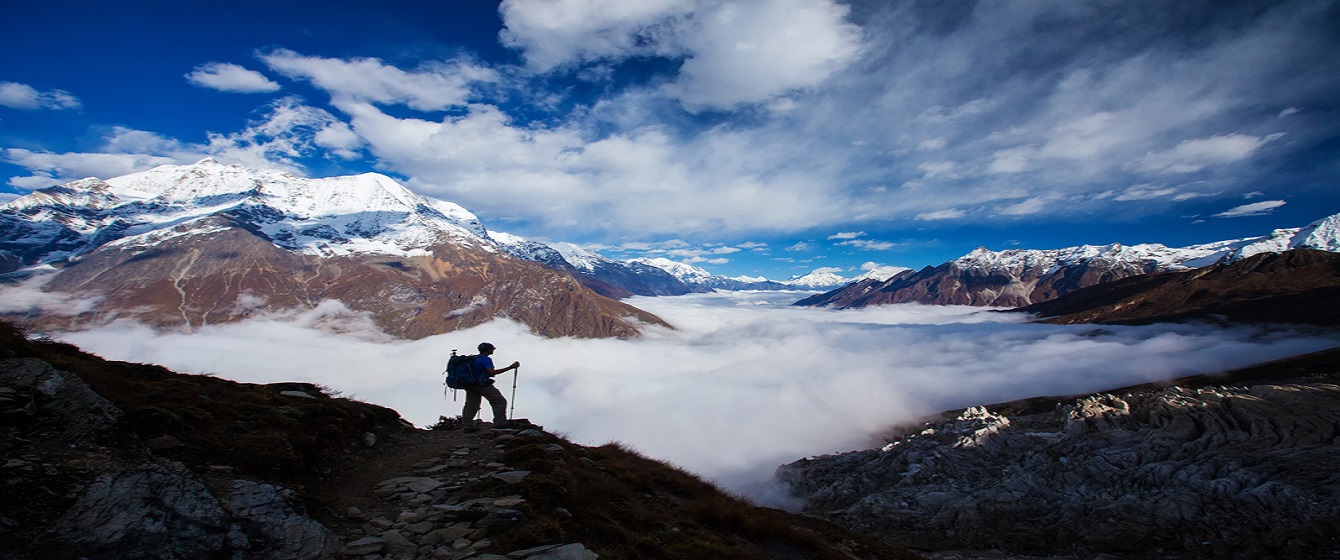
<point x="434" y="86"/>
<point x="225" y="76"/>
<point x="288" y="131"/>
<point x="23" y="96"/>
<point x="1254" y="209"/>
<point x="744" y="383"/>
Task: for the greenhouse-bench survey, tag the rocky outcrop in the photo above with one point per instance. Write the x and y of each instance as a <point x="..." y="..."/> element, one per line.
<point x="423" y="514"/>
<point x="78" y="486"/>
<point x="1222" y="472"/>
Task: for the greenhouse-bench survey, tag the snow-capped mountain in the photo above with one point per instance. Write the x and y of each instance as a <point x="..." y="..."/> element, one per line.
<point x="608" y="277"/>
<point x="367" y="214"/>
<point x="1018" y="277"/>
<point x="706" y="281"/>
<point x="206" y="243"/>
<point x="821" y="279"/>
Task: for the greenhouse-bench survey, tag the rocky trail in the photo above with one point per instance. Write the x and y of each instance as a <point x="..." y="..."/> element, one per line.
<point x="413" y="497"/>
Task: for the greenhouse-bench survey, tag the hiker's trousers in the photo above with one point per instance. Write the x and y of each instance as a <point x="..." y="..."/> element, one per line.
<point x="496" y="401"/>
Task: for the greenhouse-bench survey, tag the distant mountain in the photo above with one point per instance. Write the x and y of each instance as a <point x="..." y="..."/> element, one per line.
<point x="704" y="280"/>
<point x="1296" y="286"/>
<point x="207" y="243"/>
<point x="607" y="277"/>
<point x="1019" y="277"/>
<point x="822" y="279"/>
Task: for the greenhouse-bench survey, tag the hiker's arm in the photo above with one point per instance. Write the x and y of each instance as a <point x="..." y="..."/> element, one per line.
<point x="504" y="370"/>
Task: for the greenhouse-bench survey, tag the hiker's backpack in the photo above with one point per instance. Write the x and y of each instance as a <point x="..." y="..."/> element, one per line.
<point x="461" y="372"/>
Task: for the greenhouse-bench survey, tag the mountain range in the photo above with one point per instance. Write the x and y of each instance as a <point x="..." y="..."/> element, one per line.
<point x="188" y="246"/>
<point x="1020" y="277"/>
<point x="210" y="243"/>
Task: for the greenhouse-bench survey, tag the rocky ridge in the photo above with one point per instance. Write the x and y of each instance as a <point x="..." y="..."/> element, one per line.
<point x="1198" y="469"/>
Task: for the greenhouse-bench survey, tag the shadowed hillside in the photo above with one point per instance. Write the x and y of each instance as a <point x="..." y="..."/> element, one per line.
<point x="110" y="460"/>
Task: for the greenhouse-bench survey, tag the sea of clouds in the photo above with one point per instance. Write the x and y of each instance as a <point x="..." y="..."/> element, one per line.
<point x="743" y="383"/>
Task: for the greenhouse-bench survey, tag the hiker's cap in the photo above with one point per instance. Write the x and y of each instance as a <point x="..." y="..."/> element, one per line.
<point x="485" y="346"/>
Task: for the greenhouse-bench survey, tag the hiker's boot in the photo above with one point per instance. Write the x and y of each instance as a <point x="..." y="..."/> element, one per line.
<point x="472" y="426"/>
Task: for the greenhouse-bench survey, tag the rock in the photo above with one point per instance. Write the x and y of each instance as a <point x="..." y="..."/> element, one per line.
<point x="574" y="551"/>
<point x="268" y="516"/>
<point x="511" y="477"/>
<point x="365" y="545"/>
<point x="149" y="512"/>
<point x="420" y="528"/>
<point x="298" y="394"/>
<point x="163" y="443"/>
<point x="397" y="543"/>
<point x="1157" y="472"/>
<point x="445" y="535"/>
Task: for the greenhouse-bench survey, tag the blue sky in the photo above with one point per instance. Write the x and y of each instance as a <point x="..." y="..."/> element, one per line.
<point x="758" y="137"/>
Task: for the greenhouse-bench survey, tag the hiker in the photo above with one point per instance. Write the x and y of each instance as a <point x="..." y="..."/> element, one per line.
<point x="486" y="390"/>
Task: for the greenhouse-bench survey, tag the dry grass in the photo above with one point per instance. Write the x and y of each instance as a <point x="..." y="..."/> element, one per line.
<point x="625" y="505"/>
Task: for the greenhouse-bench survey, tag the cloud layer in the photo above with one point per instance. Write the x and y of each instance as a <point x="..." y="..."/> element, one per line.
<point x="745" y="382"/>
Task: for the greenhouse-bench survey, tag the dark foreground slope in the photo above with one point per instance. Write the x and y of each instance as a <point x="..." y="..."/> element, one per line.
<point x="1240" y="465"/>
<point x="1298" y="286"/>
<point x="110" y="460"/>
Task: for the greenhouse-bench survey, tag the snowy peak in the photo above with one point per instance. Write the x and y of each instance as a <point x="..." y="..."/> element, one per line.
<point x="819" y="279"/>
<point x="687" y="273"/>
<point x="1018" y="277"/>
<point x="361" y="214"/>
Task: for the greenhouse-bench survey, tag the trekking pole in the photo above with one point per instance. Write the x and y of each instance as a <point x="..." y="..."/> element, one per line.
<point x="515" y="374"/>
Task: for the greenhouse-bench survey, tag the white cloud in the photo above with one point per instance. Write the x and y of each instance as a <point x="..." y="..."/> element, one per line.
<point x="867" y="244"/>
<point x="224" y="76"/>
<point x="753" y="51"/>
<point x="847" y="235"/>
<point x="1194" y="155"/>
<point x="769" y="367"/>
<point x="286" y="132"/>
<point x="1254" y="209"/>
<point x="1146" y="192"/>
<point x="644" y="180"/>
<point x="733" y="53"/>
<point x="27" y="296"/>
<point x="432" y="87"/>
<point x="23" y="96"/>
<point x="946" y="214"/>
<point x="554" y="33"/>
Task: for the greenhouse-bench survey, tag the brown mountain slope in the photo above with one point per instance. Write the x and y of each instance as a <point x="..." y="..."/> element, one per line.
<point x="1298" y="286"/>
<point x="230" y="272"/>
<point x="109" y="460"/>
